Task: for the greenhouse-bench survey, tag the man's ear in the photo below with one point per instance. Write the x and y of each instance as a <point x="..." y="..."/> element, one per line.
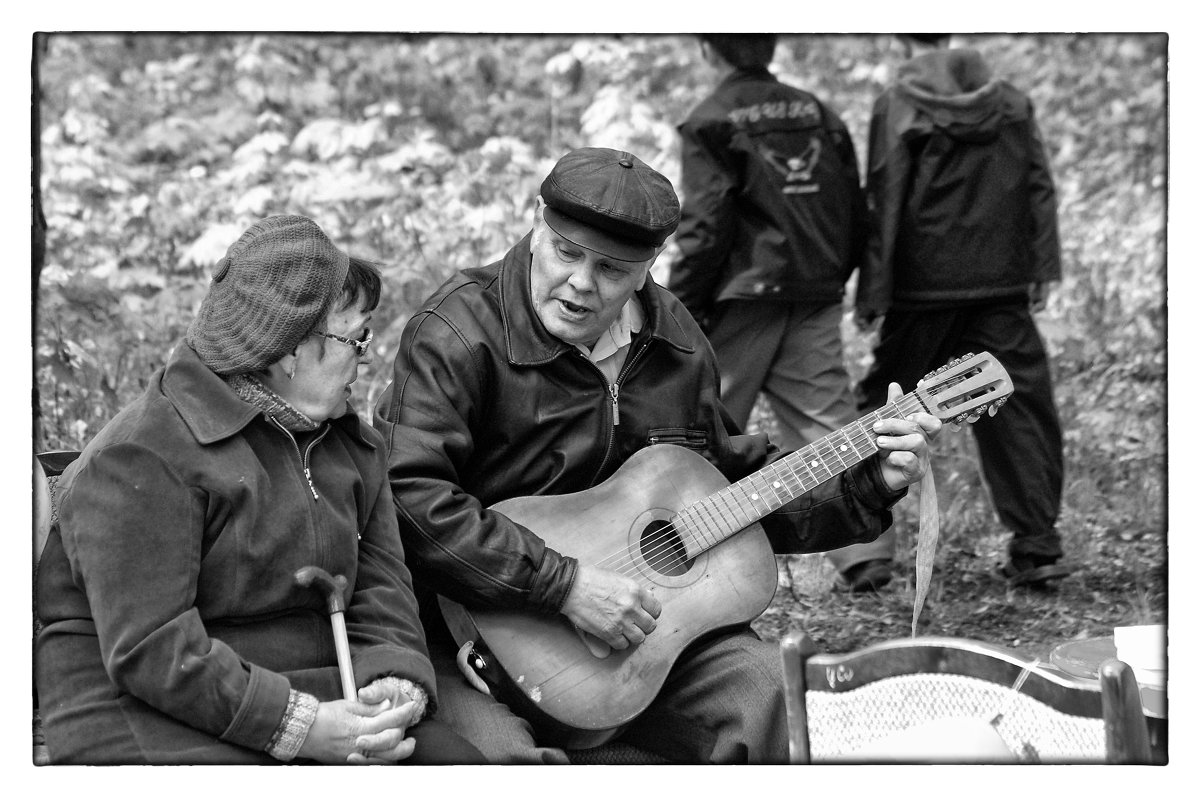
<point x="649" y="263"/>
<point x="538" y="220"/>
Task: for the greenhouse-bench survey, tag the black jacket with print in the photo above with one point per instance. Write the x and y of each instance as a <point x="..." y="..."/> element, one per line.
<point x="772" y="206"/>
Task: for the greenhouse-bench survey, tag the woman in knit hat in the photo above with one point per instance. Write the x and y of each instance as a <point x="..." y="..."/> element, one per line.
<point x="174" y="631"/>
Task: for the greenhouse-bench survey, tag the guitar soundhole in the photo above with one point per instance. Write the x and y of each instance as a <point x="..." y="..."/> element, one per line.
<point x="663" y="550"/>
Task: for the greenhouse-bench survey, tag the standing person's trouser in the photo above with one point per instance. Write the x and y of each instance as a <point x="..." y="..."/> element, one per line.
<point x="722" y="703"/>
<point x="792" y="353"/>
<point x="1020" y="448"/>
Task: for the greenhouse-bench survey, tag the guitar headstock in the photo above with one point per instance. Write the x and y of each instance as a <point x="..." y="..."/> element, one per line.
<point x="965" y="388"/>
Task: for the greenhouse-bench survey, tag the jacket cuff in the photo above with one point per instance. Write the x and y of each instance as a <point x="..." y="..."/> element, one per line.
<point x="378" y="662"/>
<point x="553" y="582"/>
<point x="868" y="486"/>
<point x="414" y="691"/>
<point x="263" y="707"/>
<point x="293" y="729"/>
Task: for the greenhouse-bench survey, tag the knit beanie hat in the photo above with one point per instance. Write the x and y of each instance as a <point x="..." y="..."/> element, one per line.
<point x="273" y="286"/>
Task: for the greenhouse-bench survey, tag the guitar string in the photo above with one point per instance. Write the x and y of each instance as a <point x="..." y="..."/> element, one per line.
<point x="723" y="514"/>
<point x="735" y="507"/>
<point x="855" y="434"/>
<point x="727" y="522"/>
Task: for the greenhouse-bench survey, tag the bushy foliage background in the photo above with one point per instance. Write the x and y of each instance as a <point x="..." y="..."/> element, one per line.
<point x="424" y="153"/>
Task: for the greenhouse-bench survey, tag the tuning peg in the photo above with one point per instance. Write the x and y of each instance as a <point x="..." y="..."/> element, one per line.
<point x="992" y="408"/>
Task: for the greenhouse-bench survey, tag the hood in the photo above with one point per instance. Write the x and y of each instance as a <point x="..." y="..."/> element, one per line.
<point x="955" y="88"/>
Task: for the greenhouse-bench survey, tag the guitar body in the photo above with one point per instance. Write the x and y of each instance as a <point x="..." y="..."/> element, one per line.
<point x="552" y="673"/>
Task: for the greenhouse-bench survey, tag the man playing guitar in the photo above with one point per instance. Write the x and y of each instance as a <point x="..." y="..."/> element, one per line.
<point x="541" y="375"/>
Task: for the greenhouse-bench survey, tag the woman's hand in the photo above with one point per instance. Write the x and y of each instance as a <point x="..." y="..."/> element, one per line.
<point x="358" y="732"/>
<point x="904" y="444"/>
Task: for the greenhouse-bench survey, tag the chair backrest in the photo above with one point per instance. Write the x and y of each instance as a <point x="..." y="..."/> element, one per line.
<point x="840" y="704"/>
<point x="47" y="467"/>
<point x="43" y="510"/>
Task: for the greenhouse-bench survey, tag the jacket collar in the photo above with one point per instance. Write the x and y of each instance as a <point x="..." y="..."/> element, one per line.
<point x="749" y="73"/>
<point x="211" y="409"/>
<point x="530" y="344"/>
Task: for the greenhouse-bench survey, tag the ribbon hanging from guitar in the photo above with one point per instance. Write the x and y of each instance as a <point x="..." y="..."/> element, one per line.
<point x="930" y="524"/>
<point x="927" y="536"/>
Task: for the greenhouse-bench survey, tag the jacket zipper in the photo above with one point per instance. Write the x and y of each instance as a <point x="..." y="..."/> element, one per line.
<point x="304" y="456"/>
<point x="614" y="390"/>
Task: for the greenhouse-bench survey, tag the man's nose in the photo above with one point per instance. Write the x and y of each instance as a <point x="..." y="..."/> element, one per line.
<point x="583" y="278"/>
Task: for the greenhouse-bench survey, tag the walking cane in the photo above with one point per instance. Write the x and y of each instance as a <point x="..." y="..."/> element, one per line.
<point x="334" y="589"/>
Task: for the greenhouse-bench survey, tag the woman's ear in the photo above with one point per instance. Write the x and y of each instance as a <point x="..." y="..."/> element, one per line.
<point x="283" y="370"/>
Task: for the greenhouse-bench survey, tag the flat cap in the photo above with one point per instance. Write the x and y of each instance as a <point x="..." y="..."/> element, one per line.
<point x="610" y="202"/>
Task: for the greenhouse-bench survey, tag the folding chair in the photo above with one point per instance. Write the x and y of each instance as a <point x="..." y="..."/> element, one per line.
<point x="839" y="705"/>
<point x="47" y="466"/>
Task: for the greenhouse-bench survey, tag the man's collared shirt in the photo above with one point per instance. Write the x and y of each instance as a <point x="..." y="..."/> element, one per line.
<point x="613" y="345"/>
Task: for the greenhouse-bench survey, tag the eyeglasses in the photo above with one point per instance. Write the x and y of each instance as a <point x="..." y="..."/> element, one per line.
<point x="359" y="346"/>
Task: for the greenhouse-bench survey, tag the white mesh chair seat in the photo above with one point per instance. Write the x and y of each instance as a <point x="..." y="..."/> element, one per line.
<point x="945" y="699"/>
<point x="839" y="724"/>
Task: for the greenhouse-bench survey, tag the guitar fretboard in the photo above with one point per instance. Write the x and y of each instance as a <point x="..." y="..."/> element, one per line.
<point x="723" y="514"/>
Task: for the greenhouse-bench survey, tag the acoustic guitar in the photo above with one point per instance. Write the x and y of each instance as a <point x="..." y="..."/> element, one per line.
<point x="668" y="518"/>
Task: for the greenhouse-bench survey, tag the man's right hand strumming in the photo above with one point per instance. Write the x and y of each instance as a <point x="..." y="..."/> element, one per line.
<point x="614" y="608"/>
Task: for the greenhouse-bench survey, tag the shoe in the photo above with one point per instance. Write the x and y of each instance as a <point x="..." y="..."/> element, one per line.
<point x="1033" y="572"/>
<point x="864" y="577"/>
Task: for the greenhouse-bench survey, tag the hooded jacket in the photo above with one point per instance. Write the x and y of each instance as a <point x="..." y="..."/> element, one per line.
<point x="173" y="627"/>
<point x="772" y="207"/>
<point x="486" y="405"/>
<point x="961" y="197"/>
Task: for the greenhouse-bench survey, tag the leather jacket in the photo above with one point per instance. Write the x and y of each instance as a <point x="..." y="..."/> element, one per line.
<point x="772" y="207"/>
<point x="486" y="405"/>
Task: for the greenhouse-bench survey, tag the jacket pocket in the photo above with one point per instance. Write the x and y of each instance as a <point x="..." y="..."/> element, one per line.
<point x="696" y="439"/>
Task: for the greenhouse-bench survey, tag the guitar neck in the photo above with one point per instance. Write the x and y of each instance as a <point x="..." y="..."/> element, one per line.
<point x="723" y="514"/>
